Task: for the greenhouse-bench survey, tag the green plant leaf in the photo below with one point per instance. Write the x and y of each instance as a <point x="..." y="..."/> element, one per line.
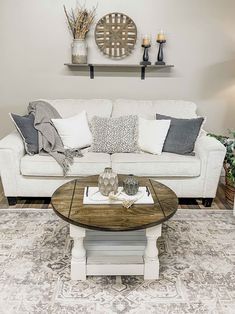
<point x="229" y="161"/>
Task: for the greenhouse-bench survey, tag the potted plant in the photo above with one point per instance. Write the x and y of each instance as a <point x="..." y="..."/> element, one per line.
<point x="229" y="165"/>
<point x="79" y="22"/>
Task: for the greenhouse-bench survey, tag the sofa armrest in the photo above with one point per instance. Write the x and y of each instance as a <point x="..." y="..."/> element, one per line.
<point x="212" y="153"/>
<point x="206" y="144"/>
<point x="13" y="142"/>
<point x="11" y="151"/>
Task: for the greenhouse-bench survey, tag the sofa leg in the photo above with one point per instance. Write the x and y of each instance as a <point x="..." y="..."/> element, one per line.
<point x="207" y="202"/>
<point x="12" y="201"/>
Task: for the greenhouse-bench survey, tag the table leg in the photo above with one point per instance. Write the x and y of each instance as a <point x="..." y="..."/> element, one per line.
<point x="78" y="262"/>
<point x="151" y="261"/>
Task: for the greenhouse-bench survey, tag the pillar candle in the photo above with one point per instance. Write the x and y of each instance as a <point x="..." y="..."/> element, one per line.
<point x="161" y="36"/>
<point x="146" y="40"/>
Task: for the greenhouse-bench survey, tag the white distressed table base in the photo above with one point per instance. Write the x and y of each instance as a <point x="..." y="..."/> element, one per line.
<point x="97" y="253"/>
<point x="78" y="262"/>
<point x="151" y="261"/>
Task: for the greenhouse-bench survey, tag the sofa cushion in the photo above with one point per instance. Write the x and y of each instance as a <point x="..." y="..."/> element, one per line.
<point x="115" y="135"/>
<point x="147" y="109"/>
<point x="182" y="134"/>
<point x="165" y="165"/>
<point x="26" y="129"/>
<point x="74" y="131"/>
<point x="90" y="164"/>
<point x="125" y="107"/>
<point x="71" y="107"/>
<point x="152" y="135"/>
<point x="175" y="108"/>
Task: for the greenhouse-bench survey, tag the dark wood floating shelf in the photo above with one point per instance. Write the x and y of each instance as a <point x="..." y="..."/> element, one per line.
<point x="117" y="67"/>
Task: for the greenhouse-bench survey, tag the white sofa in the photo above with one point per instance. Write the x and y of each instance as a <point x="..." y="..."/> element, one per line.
<point x="189" y="176"/>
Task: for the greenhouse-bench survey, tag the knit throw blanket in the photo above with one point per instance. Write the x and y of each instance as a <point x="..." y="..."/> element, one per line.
<point x="48" y="138"/>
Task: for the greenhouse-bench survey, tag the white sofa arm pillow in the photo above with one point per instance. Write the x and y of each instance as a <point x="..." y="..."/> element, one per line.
<point x="11" y="151"/>
<point x="212" y="153"/>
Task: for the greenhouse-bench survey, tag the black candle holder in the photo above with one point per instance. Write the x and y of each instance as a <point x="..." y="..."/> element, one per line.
<point x="160" y="55"/>
<point x="146" y="56"/>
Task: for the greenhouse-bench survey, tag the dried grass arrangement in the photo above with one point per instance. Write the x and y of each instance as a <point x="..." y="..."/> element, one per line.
<point x="80" y="20"/>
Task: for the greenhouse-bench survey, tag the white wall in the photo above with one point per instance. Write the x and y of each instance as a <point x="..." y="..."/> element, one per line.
<point x="35" y="43"/>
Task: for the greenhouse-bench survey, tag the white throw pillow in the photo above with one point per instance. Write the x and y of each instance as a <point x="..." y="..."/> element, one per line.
<point x="152" y="135"/>
<point x="74" y="131"/>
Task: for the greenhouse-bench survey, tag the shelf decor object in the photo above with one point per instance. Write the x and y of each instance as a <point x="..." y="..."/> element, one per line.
<point x="146" y="44"/>
<point x="161" y="39"/>
<point x="79" y="22"/>
<point x="79" y="51"/>
<point x="116" y="35"/>
<point x="108" y="182"/>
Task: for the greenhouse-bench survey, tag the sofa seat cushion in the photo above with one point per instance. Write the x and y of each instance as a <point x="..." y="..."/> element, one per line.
<point x="90" y="164"/>
<point x="165" y="165"/>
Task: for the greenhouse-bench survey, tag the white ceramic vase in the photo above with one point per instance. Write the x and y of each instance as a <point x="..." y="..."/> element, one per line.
<point x="79" y="51"/>
<point x="108" y="182"/>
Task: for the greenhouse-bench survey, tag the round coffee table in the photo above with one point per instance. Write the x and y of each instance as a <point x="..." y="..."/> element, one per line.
<point x="118" y="241"/>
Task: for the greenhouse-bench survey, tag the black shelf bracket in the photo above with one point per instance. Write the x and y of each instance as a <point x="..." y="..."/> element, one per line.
<point x="92" y="72"/>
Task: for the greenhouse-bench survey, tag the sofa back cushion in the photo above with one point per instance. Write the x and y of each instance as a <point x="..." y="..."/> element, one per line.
<point x="175" y="108"/>
<point x="125" y="107"/>
<point x="71" y="107"/>
<point x="147" y="109"/>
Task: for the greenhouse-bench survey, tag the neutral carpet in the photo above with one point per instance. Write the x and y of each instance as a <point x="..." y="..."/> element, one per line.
<point x="197" y="268"/>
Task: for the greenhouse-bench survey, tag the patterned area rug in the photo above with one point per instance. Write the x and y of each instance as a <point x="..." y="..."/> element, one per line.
<point x="197" y="272"/>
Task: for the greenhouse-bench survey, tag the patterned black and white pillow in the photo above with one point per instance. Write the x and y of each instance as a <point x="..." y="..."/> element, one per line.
<point x="115" y="135"/>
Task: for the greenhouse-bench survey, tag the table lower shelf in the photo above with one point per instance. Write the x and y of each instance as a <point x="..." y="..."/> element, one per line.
<point x="111" y="253"/>
<point x="115" y="265"/>
<point x="115" y="243"/>
<point x="97" y="253"/>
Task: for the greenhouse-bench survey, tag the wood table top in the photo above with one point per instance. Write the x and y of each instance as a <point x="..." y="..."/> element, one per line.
<point x="67" y="202"/>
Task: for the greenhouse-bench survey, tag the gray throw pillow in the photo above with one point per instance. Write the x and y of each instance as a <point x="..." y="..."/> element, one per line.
<point x="115" y="135"/>
<point x="25" y="126"/>
<point x="182" y="134"/>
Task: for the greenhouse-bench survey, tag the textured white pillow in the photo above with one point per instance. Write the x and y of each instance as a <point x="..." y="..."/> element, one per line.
<point x="74" y="131"/>
<point x="152" y="135"/>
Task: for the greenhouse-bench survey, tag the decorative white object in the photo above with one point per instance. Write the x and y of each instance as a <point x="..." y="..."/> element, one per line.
<point x="152" y="135"/>
<point x="115" y="253"/>
<point x="74" y="131"/>
<point x="108" y="182"/>
<point x="92" y="196"/>
<point x="79" y="51"/>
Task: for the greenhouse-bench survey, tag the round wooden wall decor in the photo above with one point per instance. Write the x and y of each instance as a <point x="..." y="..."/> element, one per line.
<point x="115" y="35"/>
